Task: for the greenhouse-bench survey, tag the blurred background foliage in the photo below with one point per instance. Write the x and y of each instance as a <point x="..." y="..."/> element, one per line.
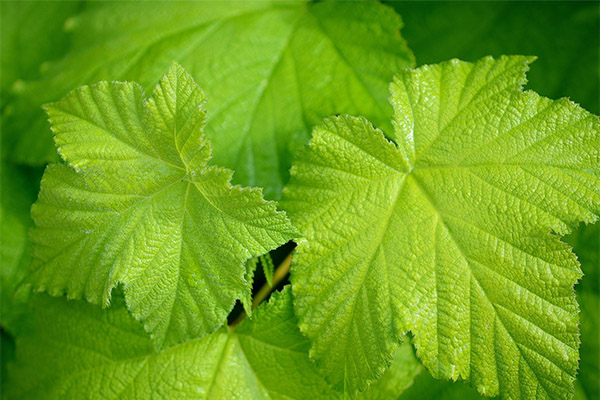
<point x="565" y="36"/>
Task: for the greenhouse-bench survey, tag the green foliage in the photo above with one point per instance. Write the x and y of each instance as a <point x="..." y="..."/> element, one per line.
<point x="420" y="234"/>
<point x="270" y="69"/>
<point x="268" y="268"/>
<point x="564" y="36"/>
<point x="586" y="242"/>
<point x="106" y="354"/>
<point x="433" y="217"/>
<point x="132" y="205"/>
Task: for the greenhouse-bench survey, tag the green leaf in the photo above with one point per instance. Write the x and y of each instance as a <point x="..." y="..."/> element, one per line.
<point x="79" y="351"/>
<point x="270" y="69"/>
<point x="138" y="205"/>
<point x="268" y="268"/>
<point x="246" y="300"/>
<point x="563" y="34"/>
<point x="446" y="231"/>
<point x="586" y="244"/>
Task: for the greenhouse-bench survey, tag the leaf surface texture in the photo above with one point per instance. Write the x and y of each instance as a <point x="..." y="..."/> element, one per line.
<point x="138" y="205"/>
<point x="446" y="231"/>
<point x="77" y="350"/>
<point x="270" y="69"/>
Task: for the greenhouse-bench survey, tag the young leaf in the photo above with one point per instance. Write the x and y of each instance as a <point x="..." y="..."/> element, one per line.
<point x="78" y="351"/>
<point x="138" y="205"/>
<point x="446" y="232"/>
<point x="270" y="69"/>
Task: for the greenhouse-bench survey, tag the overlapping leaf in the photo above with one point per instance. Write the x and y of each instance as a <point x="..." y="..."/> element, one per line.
<point x="446" y="232"/>
<point x="80" y="351"/>
<point x="270" y="69"/>
<point x="138" y="205"/>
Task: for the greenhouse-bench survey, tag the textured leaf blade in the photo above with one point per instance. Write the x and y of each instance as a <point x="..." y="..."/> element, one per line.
<point x="268" y="268"/>
<point x="270" y="70"/>
<point x="104" y="353"/>
<point x="447" y="232"/>
<point x="138" y="205"/>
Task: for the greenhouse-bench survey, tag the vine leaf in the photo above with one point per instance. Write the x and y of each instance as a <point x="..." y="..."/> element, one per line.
<point x="446" y="231"/>
<point x="138" y="205"/>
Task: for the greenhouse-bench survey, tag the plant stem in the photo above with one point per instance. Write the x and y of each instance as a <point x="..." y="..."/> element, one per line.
<point x="280" y="273"/>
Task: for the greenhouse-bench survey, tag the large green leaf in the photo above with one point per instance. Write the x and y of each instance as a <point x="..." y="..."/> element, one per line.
<point x="138" y="205"/>
<point x="270" y="69"/>
<point x="446" y="232"/>
<point x="564" y="35"/>
<point x="79" y="351"/>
